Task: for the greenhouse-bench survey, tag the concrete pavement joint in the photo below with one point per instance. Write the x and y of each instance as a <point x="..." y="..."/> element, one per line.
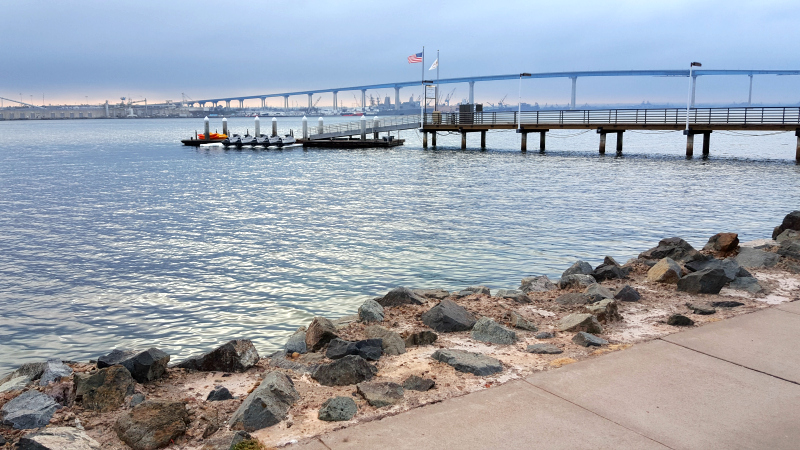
<point x="730" y="362"/>
<point x="598" y="415"/>
<point x="319" y="438"/>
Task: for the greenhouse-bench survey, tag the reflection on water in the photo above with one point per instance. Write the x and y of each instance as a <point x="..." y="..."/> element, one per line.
<point x="121" y="237"/>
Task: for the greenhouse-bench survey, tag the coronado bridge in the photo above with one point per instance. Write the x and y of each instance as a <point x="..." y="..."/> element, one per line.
<point x="472" y="80"/>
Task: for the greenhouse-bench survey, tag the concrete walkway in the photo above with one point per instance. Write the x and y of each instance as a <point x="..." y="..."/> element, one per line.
<point x="727" y="385"/>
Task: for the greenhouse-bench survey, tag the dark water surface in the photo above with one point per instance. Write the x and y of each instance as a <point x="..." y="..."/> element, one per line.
<point x="113" y="234"/>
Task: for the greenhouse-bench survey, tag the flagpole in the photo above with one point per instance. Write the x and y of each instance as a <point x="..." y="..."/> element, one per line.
<point x="422" y="81"/>
<point x="436" y="104"/>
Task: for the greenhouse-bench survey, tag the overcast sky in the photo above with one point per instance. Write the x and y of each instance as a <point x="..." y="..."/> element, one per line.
<point x="69" y="50"/>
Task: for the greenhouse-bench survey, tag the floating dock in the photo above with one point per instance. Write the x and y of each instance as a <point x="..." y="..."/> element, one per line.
<point x="352" y="143"/>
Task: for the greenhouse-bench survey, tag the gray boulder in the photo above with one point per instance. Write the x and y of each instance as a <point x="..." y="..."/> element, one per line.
<point x="751" y="258"/>
<point x="707" y="281"/>
<point x="749" y="284"/>
<point x="679" y="320"/>
<point x="234" y="356"/>
<point x="469" y="362"/>
<point x="513" y="294"/>
<point x="32" y="371"/>
<point x="337" y="409"/>
<point x="319" y="333"/>
<point x="544" y="349"/>
<point x="487" y="330"/>
<point x="31" y="409"/>
<point x="703" y="309"/>
<point x="370" y="311"/>
<point x="578" y="268"/>
<point x="598" y="292"/>
<point x="349" y="370"/>
<point x="306" y="363"/>
<point x="105" y="389"/>
<point x="461" y="294"/>
<point x="588" y="340"/>
<point x="674" y="248"/>
<point x="425" y="337"/>
<point x="415" y="383"/>
<point x="267" y="405"/>
<point x="144" y="366"/>
<point x="392" y="343"/>
<point x="448" y="317"/>
<point x="480" y="290"/>
<point x="369" y="349"/>
<point x="536" y="284"/>
<point x="437" y="294"/>
<point x="58" y="438"/>
<point x="627" y="294"/>
<point x="729" y="266"/>
<point x="579" y="322"/>
<point x="788" y="235"/>
<point x="577" y="281"/>
<point x="400" y="296"/>
<point x="790" y="222"/>
<point x="296" y="342"/>
<point x="54" y="371"/>
<point x="379" y="395"/>
<point x="219" y="394"/>
<point x="790" y="249"/>
<point x="573" y="299"/>
<point x="15" y="384"/>
<point x="605" y="310"/>
<point x="726" y="304"/>
<point x="136" y="399"/>
<point x="609" y="270"/>
<point x="152" y="424"/>
<point x="517" y="321"/>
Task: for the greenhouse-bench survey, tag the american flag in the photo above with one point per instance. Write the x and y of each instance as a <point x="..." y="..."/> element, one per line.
<point x="417" y="58"/>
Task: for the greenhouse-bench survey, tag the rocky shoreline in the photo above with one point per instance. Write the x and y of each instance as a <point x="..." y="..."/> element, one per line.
<point x="405" y="349"/>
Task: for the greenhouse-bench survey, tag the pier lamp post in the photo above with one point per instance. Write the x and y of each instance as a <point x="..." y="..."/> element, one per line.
<point x="689" y="98"/>
<point x="519" y="102"/>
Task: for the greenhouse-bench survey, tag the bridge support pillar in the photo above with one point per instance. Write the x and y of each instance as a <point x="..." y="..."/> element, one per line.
<point x="424" y="139"/>
<point x="228" y="104"/>
<point x="483" y="139"/>
<point x="263" y="102"/>
<point x="689" y="145"/>
<point x="542" y="135"/>
<point x="619" y="143"/>
<point x="750" y="94"/>
<point x="396" y="98"/>
<point x="706" y="143"/>
<point x="286" y="102"/>
<point x="471" y="92"/>
<point x="524" y="143"/>
<point x="463" y="140"/>
<point x="433" y="139"/>
<point x="574" y="88"/>
<point x="335" y="101"/>
<point x="363" y="100"/>
<point x="310" y="97"/>
<point x="602" y="143"/>
<point x="241" y="103"/>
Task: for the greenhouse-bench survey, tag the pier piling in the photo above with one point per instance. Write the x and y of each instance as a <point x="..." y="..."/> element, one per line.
<point x="619" y="143"/>
<point x="602" y="143"/>
<point x="706" y="143"/>
<point x="375" y="124"/>
<point x="258" y="127"/>
<point x="207" y="128"/>
<point x="363" y="127"/>
<point x="463" y="140"/>
<point x="689" y="145"/>
<point x="483" y="139"/>
<point x="274" y="126"/>
<point x="433" y="139"/>
<point x="424" y="139"/>
<point x="541" y="140"/>
<point x="797" y="152"/>
<point x="524" y="143"/>
<point x="225" y="126"/>
<point x="320" y="126"/>
<point x="305" y="127"/>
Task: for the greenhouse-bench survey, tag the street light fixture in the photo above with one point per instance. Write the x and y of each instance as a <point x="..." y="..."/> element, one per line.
<point x="519" y="102"/>
<point x="689" y="98"/>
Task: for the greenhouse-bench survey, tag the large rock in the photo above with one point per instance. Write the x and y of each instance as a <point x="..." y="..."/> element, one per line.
<point x="752" y="258"/>
<point x="544" y="349"/>
<point x="479" y="290"/>
<point x="225" y="440"/>
<point x="437" y="294"/>
<point x="627" y="294"/>
<point x="235" y="356"/>
<point x="579" y="322"/>
<point x="578" y="281"/>
<point x="517" y="321"/>
<point x="704" y="309"/>
<point x="674" y="248"/>
<point x="788" y="235"/>
<point x="220" y="393"/>
<point x="723" y="242"/>
<point x="487" y="330"/>
<point x="15" y="384"/>
<point x="588" y="340"/>
<point x="319" y="333"/>
<point x="144" y="366"/>
<point x="392" y="343"/>
<point x="512" y="294"/>
<point x="790" y="248"/>
<point x="731" y="268"/>
<point x="679" y="320"/>
<point x="707" y="281"/>
<point x="749" y="284"/>
<point x="579" y="268"/>
<point x="609" y="270"/>
<point x="425" y="337"/>
<point x="267" y="405"/>
<point x="463" y="361"/>
<point x="58" y="438"/>
<point x="54" y="371"/>
<point x="379" y="395"/>
<point x="296" y="342"/>
<point x="598" y="292"/>
<point x="369" y="349"/>
<point x="32" y="371"/>
<point x="337" y="409"/>
<point x="349" y="370"/>
<point x="448" y="317"/>
<point x="152" y="424"/>
<point x="370" y="311"/>
<point x="400" y="296"/>
<point x="790" y="222"/>
<point x="31" y="409"/>
<point x="573" y="299"/>
<point x="306" y="363"/>
<point x="105" y="389"/>
<point x="665" y="271"/>
<point x="415" y="383"/>
<point x="605" y="310"/>
<point x="536" y="284"/>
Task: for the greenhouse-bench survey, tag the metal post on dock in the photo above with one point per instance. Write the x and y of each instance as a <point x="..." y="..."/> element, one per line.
<point x="619" y="143"/>
<point x="274" y="126"/>
<point x="524" y="141"/>
<point x="363" y="128"/>
<point x="207" y="128"/>
<point x="689" y="145"/>
<point x="463" y="140"/>
<point x="258" y="127"/>
<point x="375" y="124"/>
<point x="305" y="127"/>
<point x="706" y="143"/>
<point x="225" y="126"/>
<point x="542" y="135"/>
<point x="602" y="142"/>
<point x="320" y="126"/>
<point x="483" y="139"/>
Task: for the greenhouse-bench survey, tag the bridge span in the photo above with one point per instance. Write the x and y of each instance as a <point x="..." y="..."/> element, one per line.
<point x="472" y="80"/>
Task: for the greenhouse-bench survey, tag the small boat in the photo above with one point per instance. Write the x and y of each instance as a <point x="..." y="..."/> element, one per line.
<point x="233" y="140"/>
<point x="287" y="140"/>
<point x="247" y="140"/>
<point x="262" y="140"/>
<point x="274" y="141"/>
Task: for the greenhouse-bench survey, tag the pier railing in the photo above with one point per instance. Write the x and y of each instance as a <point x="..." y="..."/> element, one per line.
<point x="667" y="116"/>
<point x="382" y="125"/>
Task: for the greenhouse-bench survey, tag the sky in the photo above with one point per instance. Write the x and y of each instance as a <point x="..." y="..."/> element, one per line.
<point x="79" y="51"/>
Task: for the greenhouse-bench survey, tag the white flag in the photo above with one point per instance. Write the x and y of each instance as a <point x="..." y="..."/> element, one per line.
<point x="435" y="64"/>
